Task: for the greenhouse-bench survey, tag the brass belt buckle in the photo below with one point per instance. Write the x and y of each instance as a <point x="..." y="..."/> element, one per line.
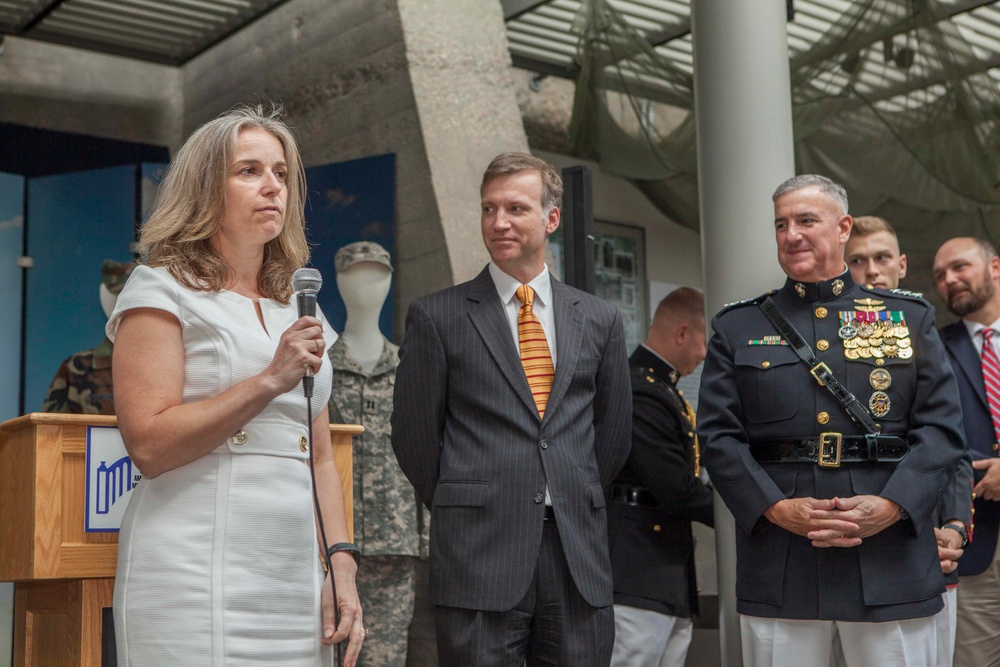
<point x="828" y="441"/>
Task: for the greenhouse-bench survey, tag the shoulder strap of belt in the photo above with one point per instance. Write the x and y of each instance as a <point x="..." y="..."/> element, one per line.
<point x="819" y="370"/>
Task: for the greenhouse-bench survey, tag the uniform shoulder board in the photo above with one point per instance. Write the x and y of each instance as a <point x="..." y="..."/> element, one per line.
<point x="906" y="292"/>
<point x="746" y="302"/>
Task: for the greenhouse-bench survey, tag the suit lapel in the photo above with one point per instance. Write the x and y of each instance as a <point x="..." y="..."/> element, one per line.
<point x="487" y="315"/>
<point x="956" y="338"/>
<point x="569" y="334"/>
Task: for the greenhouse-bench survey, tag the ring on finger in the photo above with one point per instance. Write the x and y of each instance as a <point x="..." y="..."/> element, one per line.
<point x="315" y="346"/>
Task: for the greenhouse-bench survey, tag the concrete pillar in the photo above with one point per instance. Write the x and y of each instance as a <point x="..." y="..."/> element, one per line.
<point x="744" y="122"/>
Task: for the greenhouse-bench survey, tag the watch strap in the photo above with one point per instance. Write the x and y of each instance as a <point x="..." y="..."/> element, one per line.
<point x="961" y="530"/>
<point x="345" y="546"/>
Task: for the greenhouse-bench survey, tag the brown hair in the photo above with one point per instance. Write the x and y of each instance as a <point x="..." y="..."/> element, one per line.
<point x="870" y="224"/>
<point x="684" y="304"/>
<point x="191" y="203"/>
<point x="506" y="164"/>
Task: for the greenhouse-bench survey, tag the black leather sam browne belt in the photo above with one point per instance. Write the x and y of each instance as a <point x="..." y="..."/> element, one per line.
<point x="829" y="450"/>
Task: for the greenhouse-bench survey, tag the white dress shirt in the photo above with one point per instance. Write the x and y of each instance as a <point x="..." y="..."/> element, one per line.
<point x="542" y="305"/>
<point x="975" y="330"/>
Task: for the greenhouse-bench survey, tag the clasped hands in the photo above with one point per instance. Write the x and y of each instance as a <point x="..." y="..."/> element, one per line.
<point x="834" y="522"/>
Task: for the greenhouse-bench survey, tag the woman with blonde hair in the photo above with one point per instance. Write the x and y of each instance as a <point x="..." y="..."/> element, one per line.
<point x="219" y="551"/>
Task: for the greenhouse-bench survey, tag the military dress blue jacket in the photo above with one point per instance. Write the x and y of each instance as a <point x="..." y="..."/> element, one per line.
<point x="756" y="390"/>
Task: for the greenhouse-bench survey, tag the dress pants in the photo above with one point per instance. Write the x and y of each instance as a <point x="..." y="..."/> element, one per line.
<point x="645" y="638"/>
<point x="552" y="625"/>
<point x="945" y="621"/>
<point x="977" y="640"/>
<point x="778" y="642"/>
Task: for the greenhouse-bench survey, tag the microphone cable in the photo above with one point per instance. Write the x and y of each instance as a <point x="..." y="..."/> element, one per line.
<point x="327" y="561"/>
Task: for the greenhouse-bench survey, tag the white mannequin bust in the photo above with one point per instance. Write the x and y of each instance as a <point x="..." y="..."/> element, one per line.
<point x="108" y="300"/>
<point x="363" y="287"/>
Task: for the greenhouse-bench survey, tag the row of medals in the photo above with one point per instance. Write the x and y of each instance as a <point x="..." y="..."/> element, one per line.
<point x="867" y="340"/>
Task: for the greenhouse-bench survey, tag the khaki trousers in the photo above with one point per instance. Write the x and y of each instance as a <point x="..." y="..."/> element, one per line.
<point x="977" y="640"/>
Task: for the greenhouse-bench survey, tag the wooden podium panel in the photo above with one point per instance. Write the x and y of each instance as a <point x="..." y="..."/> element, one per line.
<point x="42" y="492"/>
<point x="64" y="576"/>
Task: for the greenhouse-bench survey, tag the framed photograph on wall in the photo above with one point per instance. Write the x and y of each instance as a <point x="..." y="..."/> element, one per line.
<point x="620" y="271"/>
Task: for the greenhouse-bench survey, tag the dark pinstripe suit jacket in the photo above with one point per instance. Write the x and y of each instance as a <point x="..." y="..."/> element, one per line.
<point x="980" y="438"/>
<point x="467" y="434"/>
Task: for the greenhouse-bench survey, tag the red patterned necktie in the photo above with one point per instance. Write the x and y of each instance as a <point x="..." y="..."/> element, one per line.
<point x="535" y="355"/>
<point x="991" y="378"/>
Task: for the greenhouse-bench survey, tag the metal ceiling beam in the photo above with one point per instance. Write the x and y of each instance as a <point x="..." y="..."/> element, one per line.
<point x="546" y="67"/>
<point x="937" y="78"/>
<point x="40" y="16"/>
<point x="514" y="8"/>
<point x="937" y="11"/>
<point x="646" y="91"/>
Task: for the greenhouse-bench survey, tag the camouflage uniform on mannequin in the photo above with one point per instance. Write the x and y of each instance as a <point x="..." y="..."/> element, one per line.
<point x="83" y="384"/>
<point x="388" y="519"/>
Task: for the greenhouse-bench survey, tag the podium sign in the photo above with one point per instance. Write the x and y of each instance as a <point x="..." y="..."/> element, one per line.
<point x="111" y="476"/>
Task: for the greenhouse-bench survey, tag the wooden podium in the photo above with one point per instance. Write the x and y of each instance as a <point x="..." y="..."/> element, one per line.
<point x="64" y="576"/>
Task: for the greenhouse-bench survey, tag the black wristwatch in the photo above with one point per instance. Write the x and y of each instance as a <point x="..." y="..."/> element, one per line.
<point x="961" y="530"/>
<point x="345" y="546"/>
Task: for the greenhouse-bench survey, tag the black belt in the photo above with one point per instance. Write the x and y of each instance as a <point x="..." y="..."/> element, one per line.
<point x="829" y="450"/>
<point x="632" y="495"/>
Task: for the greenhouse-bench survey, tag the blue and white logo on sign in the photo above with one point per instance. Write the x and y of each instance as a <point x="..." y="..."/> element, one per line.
<point x="110" y="479"/>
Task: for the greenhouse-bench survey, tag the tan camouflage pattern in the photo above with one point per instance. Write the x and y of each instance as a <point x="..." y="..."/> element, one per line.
<point x="114" y="274"/>
<point x="387" y="588"/>
<point x="361" y="251"/>
<point x="388" y="519"/>
<point x="83" y="385"/>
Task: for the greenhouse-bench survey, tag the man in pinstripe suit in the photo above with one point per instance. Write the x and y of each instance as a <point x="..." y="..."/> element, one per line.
<point x="519" y="559"/>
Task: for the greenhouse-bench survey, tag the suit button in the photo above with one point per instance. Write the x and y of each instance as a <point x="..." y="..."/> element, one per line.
<point x="240" y="437"/>
<point x="823" y="418"/>
<point x="303" y="444"/>
<point x="544" y="443"/>
<point x="657" y="528"/>
<point x="822" y="345"/>
<point x="539" y="497"/>
<point x="996" y="446"/>
<point x="821" y="312"/>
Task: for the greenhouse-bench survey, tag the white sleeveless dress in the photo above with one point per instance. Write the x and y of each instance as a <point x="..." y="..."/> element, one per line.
<point x="218" y="561"/>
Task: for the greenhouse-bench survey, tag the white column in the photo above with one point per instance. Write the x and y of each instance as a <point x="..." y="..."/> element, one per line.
<point x="744" y="119"/>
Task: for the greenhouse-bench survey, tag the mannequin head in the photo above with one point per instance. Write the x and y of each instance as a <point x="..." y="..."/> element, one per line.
<point x="114" y="275"/>
<point x="364" y="285"/>
<point x="364" y="274"/>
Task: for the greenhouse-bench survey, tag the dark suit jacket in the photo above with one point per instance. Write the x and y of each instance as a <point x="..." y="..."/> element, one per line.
<point x="652" y="547"/>
<point x="466" y="432"/>
<point x="980" y="438"/>
<point x="755" y="392"/>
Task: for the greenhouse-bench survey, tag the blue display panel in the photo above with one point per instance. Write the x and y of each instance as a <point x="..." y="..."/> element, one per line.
<point x="11" y="244"/>
<point x="347" y="202"/>
<point x="76" y="221"/>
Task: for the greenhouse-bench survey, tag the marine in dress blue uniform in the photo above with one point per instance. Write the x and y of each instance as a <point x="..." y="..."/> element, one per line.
<point x="855" y="565"/>
<point x="658" y="494"/>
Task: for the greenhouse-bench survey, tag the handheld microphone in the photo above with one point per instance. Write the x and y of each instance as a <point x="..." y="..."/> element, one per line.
<point x="306" y="284"/>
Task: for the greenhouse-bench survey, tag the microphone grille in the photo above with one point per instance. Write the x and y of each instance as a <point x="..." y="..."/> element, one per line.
<point x="307" y="280"/>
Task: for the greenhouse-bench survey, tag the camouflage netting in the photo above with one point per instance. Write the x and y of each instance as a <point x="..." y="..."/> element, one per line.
<point x="893" y="102"/>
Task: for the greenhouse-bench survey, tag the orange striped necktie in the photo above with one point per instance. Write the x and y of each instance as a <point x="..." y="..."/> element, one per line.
<point x="535" y="355"/>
